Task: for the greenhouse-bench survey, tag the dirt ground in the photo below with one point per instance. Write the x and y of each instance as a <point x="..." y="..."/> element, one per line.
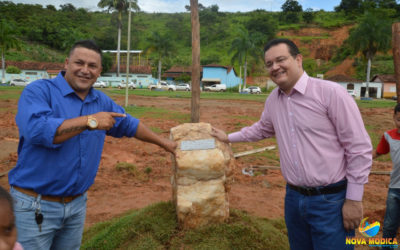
<point x="116" y="192"/>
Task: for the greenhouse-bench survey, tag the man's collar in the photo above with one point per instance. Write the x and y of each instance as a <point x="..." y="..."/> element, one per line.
<point x="67" y="90"/>
<point x="300" y="85"/>
<point x="63" y="84"/>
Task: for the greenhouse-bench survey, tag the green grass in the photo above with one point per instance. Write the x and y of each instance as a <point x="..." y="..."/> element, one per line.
<point x="381" y="103"/>
<point x="8" y="92"/>
<point x="155" y="227"/>
<point x="184" y="94"/>
<point x="133" y="170"/>
<point x="332" y="19"/>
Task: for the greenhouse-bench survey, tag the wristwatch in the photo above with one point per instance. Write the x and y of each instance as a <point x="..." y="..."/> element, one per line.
<point x="92" y="123"/>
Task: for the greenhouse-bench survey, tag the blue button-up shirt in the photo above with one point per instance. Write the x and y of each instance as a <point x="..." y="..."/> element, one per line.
<point x="68" y="168"/>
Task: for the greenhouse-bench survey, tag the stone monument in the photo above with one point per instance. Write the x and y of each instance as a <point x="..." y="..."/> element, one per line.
<point x="203" y="168"/>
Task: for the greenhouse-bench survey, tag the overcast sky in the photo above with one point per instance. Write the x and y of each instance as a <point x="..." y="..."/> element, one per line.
<point x="179" y="5"/>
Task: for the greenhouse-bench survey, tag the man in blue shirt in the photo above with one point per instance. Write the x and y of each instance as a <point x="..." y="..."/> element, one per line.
<point x="62" y="125"/>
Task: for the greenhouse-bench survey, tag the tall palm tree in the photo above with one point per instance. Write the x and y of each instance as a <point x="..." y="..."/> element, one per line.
<point x="120" y="6"/>
<point x="7" y="41"/>
<point x="161" y="46"/>
<point x="242" y="47"/>
<point x="372" y="34"/>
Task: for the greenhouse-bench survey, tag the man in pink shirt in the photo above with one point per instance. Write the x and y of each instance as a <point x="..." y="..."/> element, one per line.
<point x="325" y="151"/>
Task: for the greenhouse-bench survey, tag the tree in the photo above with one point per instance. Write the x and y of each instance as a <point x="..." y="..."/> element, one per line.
<point x="385" y="4"/>
<point x="308" y="15"/>
<point x="291" y="10"/>
<point x="7" y="41"/>
<point x="106" y="62"/>
<point x="242" y="47"/>
<point x="120" y="6"/>
<point x="161" y="46"/>
<point x="212" y="25"/>
<point x="51" y="7"/>
<point x="263" y="24"/>
<point x="201" y="7"/>
<point x="354" y="7"/>
<point x="183" y="78"/>
<point x="372" y="34"/>
<point x="67" y="7"/>
<point x="13" y="70"/>
<point x="291" y="6"/>
<point x="350" y="6"/>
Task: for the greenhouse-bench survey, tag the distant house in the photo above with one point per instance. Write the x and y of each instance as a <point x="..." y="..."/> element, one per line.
<point x="140" y="75"/>
<point x="359" y="87"/>
<point x="34" y="70"/>
<point x="217" y="74"/>
<point x="389" y="84"/>
<point x="177" y="71"/>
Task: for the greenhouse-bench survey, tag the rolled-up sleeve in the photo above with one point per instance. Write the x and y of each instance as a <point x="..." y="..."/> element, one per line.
<point x="346" y="117"/>
<point x="34" y="118"/>
<point x="124" y="126"/>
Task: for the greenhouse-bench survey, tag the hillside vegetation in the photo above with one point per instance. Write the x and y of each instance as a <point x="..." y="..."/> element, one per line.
<point x="46" y="33"/>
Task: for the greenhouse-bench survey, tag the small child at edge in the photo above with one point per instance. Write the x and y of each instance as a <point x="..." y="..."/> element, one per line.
<point x="390" y="142"/>
<point x="8" y="230"/>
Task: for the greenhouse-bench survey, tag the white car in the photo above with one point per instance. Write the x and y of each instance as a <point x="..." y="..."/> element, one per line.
<point x="216" y="87"/>
<point x="100" y="84"/>
<point x="163" y="85"/>
<point x="183" y="87"/>
<point x="122" y="85"/>
<point x="252" y="90"/>
<point x="19" y="82"/>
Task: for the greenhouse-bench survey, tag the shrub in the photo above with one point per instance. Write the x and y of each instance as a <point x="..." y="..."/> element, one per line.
<point x="13" y="70"/>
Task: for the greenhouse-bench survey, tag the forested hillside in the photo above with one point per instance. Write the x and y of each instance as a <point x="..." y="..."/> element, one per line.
<point x="45" y="33"/>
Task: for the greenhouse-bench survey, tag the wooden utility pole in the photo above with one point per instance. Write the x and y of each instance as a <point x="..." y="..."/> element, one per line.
<point x="396" y="56"/>
<point x="195" y="114"/>
<point x="127" y="56"/>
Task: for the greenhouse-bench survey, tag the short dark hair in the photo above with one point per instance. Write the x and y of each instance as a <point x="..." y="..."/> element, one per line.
<point x="293" y="50"/>
<point x="397" y="108"/>
<point x="88" y="44"/>
<point x="4" y="195"/>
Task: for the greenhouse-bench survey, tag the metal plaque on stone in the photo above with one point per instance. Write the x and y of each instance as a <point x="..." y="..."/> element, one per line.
<point x="198" y="144"/>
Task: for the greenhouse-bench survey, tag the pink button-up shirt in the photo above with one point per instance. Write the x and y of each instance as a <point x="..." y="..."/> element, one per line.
<point x="320" y="134"/>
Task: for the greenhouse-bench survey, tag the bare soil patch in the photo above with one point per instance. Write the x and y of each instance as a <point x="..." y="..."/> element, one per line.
<point x="116" y="192"/>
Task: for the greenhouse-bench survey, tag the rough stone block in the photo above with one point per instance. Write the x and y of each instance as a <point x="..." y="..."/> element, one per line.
<point x="201" y="178"/>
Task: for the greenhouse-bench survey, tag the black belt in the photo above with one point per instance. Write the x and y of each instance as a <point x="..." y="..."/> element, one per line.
<point x="309" y="191"/>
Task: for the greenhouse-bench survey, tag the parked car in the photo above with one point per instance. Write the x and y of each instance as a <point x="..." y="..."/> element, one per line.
<point x="216" y="87"/>
<point x="252" y="90"/>
<point x="183" y="87"/>
<point x="19" y="82"/>
<point x="351" y="92"/>
<point x="122" y="85"/>
<point x="100" y="84"/>
<point x="163" y="85"/>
